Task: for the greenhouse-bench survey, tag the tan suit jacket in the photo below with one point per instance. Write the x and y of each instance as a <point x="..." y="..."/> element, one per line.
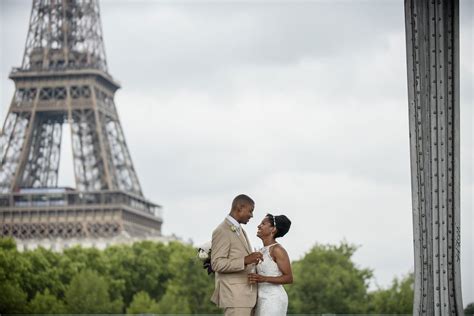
<point x="228" y="250"/>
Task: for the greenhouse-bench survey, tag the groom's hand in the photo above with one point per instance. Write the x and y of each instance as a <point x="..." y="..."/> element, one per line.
<point x="254" y="257"/>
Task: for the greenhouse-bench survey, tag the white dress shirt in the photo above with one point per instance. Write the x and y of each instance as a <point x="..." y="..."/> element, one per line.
<point x="234" y="222"/>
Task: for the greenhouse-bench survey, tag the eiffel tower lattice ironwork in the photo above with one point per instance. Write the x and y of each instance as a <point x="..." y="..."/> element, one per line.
<point x="64" y="79"/>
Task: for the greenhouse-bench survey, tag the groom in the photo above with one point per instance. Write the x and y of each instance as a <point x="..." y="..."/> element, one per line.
<point x="232" y="259"/>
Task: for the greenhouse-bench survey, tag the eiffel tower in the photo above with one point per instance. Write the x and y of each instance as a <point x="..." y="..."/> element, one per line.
<point x="64" y="79"/>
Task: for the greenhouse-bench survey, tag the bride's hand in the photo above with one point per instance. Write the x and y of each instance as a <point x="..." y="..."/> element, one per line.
<point x="255" y="278"/>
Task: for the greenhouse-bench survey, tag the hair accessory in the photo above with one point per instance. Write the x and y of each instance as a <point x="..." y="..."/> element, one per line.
<point x="274" y="221"/>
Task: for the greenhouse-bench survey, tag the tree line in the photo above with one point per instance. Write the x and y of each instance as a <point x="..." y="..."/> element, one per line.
<point x="157" y="278"/>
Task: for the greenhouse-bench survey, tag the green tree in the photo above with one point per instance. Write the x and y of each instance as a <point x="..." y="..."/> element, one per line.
<point x="174" y="302"/>
<point x="140" y="267"/>
<point x="189" y="288"/>
<point x="12" y="298"/>
<point x="143" y="304"/>
<point x="326" y="280"/>
<point x="87" y="258"/>
<point x="46" y="303"/>
<point x="397" y="299"/>
<point x="88" y="293"/>
<point x="76" y="259"/>
<point x="13" y="268"/>
<point x="42" y="272"/>
<point x="469" y="310"/>
<point x="7" y="244"/>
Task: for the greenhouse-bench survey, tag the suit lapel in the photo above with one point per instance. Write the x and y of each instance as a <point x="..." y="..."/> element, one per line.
<point x="243" y="241"/>
<point x="242" y="236"/>
<point x="247" y="243"/>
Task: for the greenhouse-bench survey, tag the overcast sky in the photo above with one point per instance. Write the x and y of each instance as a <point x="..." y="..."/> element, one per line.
<point x="300" y="104"/>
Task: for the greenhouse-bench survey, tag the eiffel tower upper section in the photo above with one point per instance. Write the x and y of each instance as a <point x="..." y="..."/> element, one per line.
<point x="64" y="35"/>
<point x="64" y="79"/>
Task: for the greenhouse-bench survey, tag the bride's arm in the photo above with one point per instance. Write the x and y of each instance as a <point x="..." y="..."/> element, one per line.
<point x="283" y="261"/>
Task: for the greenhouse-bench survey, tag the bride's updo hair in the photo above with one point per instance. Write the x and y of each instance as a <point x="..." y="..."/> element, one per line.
<point x="281" y="223"/>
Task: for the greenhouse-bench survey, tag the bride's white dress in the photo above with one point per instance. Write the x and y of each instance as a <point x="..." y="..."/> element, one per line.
<point x="272" y="298"/>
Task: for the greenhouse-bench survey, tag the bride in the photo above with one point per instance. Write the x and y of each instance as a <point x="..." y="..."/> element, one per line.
<point x="274" y="270"/>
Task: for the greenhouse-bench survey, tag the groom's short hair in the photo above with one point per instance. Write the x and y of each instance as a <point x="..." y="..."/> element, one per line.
<point x="241" y="199"/>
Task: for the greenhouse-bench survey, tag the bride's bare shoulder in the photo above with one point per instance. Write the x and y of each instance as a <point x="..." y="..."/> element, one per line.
<point x="279" y="251"/>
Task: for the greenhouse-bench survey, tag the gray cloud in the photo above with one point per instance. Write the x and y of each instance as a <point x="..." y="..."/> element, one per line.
<point x="234" y="35"/>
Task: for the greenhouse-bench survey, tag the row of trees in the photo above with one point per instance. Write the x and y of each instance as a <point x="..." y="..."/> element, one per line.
<point x="326" y="280"/>
<point x="146" y="277"/>
<point x="150" y="277"/>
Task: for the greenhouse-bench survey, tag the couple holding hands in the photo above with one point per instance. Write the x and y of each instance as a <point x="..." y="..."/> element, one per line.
<point x="250" y="282"/>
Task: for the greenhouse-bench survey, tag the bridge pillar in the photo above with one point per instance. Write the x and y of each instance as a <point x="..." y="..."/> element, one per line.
<point x="432" y="35"/>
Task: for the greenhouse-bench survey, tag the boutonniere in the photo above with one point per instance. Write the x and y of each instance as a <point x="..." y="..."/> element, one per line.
<point x="233" y="228"/>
